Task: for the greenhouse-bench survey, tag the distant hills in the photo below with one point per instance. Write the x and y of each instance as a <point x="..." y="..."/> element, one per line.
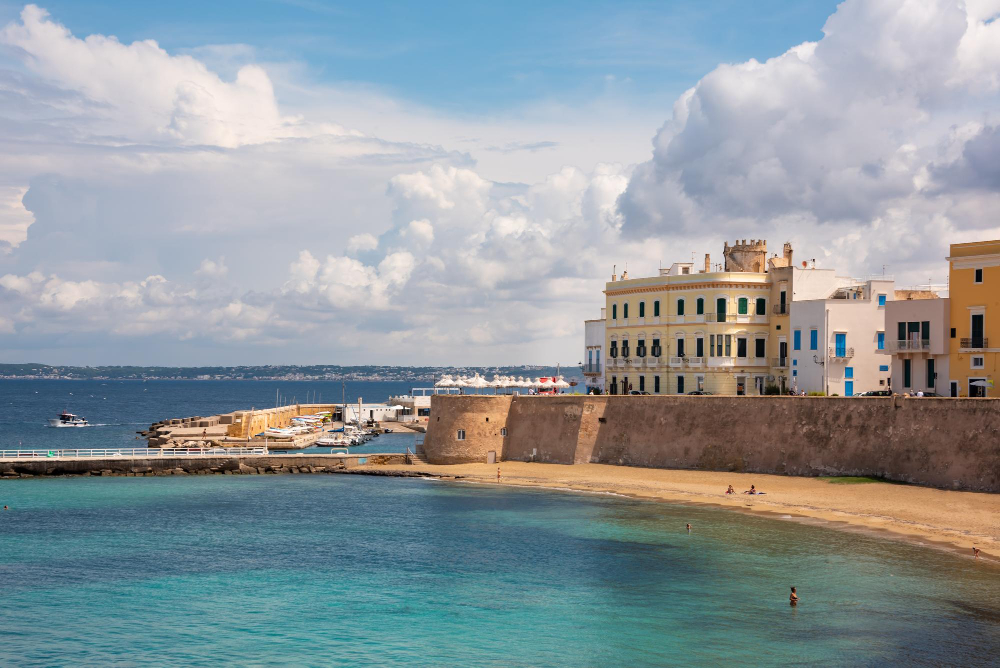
<point x="269" y="372"/>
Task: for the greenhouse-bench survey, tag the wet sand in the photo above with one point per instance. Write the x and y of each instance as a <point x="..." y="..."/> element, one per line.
<point x="940" y="518"/>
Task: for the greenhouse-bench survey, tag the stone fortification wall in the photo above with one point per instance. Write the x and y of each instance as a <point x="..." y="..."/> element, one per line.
<point x="482" y="419"/>
<point x="952" y="443"/>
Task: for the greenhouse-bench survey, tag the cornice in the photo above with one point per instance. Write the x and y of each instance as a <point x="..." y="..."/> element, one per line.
<point x="687" y="286"/>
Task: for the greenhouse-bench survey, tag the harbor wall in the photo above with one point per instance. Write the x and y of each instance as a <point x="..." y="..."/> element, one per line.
<point x="941" y="442"/>
<point x="181" y="465"/>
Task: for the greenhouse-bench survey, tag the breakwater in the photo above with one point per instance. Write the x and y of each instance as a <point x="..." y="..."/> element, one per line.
<point x="29" y="467"/>
<point x="948" y="443"/>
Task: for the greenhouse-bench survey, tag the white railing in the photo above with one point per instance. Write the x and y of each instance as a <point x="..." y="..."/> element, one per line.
<point x="135" y="453"/>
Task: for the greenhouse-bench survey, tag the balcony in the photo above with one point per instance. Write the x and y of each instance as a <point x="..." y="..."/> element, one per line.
<point x="720" y="317"/>
<point x="695" y="361"/>
<point x="591" y="369"/>
<point x="975" y="343"/>
<point x="909" y="346"/>
<point x="676" y="361"/>
<point x="779" y="362"/>
<point x="780" y="309"/>
<point x="841" y="353"/>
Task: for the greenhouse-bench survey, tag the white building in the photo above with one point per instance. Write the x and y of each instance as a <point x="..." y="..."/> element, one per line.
<point x="917" y="331"/>
<point x="593" y="343"/>
<point x="835" y="340"/>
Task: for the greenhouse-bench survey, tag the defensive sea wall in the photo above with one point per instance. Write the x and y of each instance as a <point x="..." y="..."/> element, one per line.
<point x="949" y="443"/>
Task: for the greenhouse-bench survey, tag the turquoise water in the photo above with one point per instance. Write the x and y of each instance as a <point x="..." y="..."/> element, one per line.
<point x="350" y="570"/>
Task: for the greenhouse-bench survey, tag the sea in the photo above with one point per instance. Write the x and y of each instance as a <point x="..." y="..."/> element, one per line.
<point x="343" y="570"/>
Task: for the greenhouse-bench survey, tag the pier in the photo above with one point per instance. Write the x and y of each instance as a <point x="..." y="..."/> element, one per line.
<point x="142" y="462"/>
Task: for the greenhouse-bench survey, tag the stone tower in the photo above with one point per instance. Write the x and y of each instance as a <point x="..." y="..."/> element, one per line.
<point x="748" y="257"/>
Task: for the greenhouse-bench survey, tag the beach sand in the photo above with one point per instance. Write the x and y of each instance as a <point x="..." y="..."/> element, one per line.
<point x="933" y="517"/>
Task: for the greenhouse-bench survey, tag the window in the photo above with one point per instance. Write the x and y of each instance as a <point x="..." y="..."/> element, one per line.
<point x="625" y="348"/>
<point x="680" y="307"/>
<point x="906" y="373"/>
<point x="979" y="275"/>
<point x="640" y="348"/>
<point x="720" y="308"/>
<point x="614" y="311"/>
<point x="625" y="310"/>
<point x="797" y="340"/>
<point x="614" y="384"/>
<point x="848" y="372"/>
<point x="761" y="306"/>
<point x="680" y="384"/>
<point x="795" y="372"/>
<point x="729" y="345"/>
<point x="680" y="347"/>
<point x="760" y="348"/>
<point x="954" y="332"/>
<point x="642" y="383"/>
<point x="925" y="330"/>
<point x="699" y="347"/>
<point x="741" y="347"/>
<point x="503" y="431"/>
<point x="841" y="344"/>
<point x="700" y="306"/>
<point x="813" y="339"/>
<point x="711" y="345"/>
<point x="656" y="348"/>
<point x="881" y="300"/>
<point x="642" y="309"/>
<point x="978" y="362"/>
<point x="795" y="362"/>
<point x="461" y="435"/>
<point x="742" y="306"/>
<point x="656" y="309"/>
<point x="656" y="384"/>
<point x="881" y="340"/>
<point x="883" y="367"/>
<point x="718" y="345"/>
<point x="613" y="350"/>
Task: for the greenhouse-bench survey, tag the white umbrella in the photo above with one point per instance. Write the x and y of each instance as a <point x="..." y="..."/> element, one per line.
<point x="561" y="383"/>
<point x="478" y="382"/>
<point x="446" y="381"/>
<point x="543" y="383"/>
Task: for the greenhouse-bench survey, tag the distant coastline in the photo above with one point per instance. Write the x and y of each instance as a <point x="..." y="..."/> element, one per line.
<point x="324" y="372"/>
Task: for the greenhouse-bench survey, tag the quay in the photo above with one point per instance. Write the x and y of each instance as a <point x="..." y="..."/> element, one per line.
<point x="143" y="462"/>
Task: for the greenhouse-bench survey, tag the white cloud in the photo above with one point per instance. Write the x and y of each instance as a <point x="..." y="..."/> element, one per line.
<point x="14" y="218"/>
<point x="362" y="242"/>
<point x="213" y="268"/>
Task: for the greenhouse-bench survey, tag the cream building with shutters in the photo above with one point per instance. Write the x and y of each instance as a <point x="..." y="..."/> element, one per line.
<point x="689" y="329"/>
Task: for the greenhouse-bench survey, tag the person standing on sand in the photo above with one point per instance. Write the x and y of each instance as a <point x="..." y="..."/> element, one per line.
<point x="498" y="475"/>
<point x="793" y="600"/>
<point x="975" y="550"/>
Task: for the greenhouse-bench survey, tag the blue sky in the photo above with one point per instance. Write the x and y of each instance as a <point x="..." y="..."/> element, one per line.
<point x="469" y="57"/>
<point x="298" y="181"/>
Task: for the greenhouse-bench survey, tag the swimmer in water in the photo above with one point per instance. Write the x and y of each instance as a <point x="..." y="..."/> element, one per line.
<point x="689" y="527"/>
<point x="794" y="598"/>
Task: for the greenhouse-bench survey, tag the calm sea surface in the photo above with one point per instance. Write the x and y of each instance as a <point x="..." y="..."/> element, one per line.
<point x="349" y="570"/>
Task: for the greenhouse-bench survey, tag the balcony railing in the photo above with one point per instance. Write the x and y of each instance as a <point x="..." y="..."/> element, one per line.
<point x="979" y="343"/>
<point x="838" y="353"/>
<point x="676" y="361"/>
<point x="909" y="345"/>
<point x="720" y="317"/>
<point x="779" y="362"/>
<point x="780" y="309"/>
<point x="695" y="361"/>
<point x="592" y="368"/>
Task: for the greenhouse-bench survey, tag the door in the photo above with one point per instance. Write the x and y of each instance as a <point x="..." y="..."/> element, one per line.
<point x="741" y="386"/>
<point x="782" y="352"/>
<point x="720" y="309"/>
<point x="758" y="382"/>
<point x="977" y="387"/>
<point x="954" y="388"/>
<point x="977" y="330"/>
<point x="841" y="345"/>
<point x="848" y="388"/>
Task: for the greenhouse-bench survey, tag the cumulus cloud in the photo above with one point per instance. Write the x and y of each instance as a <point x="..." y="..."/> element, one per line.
<point x="213" y="268"/>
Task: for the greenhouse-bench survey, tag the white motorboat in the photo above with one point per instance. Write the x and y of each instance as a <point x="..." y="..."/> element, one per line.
<point x="66" y="419"/>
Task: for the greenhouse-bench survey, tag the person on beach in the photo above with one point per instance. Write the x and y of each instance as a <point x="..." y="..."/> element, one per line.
<point x="752" y="490"/>
<point x="689" y="527"/>
<point x="975" y="550"/>
<point x="730" y="490"/>
<point x="498" y="474"/>
<point x="793" y="600"/>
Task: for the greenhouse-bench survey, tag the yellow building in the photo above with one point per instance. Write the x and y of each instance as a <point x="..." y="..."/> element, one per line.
<point x="974" y="289"/>
<point x="691" y="330"/>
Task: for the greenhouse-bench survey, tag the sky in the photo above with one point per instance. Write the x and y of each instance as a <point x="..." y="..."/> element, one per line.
<point x="299" y="181"/>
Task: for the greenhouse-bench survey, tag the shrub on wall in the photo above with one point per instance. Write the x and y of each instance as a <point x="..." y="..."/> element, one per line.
<point x="817" y="394"/>
<point x="771" y="389"/>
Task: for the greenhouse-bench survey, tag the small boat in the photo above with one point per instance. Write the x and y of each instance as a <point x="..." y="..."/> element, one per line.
<point x="387" y="431"/>
<point x="68" y="420"/>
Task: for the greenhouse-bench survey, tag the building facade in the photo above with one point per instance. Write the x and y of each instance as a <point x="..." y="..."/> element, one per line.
<point x="835" y="340"/>
<point x="916" y="344"/>
<point x="593" y="362"/>
<point x="690" y="329"/>
<point x="974" y="332"/>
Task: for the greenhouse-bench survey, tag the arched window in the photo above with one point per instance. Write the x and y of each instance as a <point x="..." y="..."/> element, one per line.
<point x="680" y="307"/>
<point x="700" y="306"/>
<point x="642" y="309"/>
<point x="680" y="345"/>
<point x="720" y="308"/>
<point x="656" y="309"/>
<point x="742" y="306"/>
<point x="761" y="306"/>
<point x="614" y="311"/>
<point x="625" y="310"/>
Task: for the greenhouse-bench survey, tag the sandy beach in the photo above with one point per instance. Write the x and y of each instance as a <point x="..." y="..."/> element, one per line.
<point x="945" y="519"/>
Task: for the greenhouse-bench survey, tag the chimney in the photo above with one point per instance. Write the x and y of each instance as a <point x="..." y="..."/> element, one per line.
<point x="708" y="263"/>
<point x="788" y="253"/>
<point x="614" y="273"/>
